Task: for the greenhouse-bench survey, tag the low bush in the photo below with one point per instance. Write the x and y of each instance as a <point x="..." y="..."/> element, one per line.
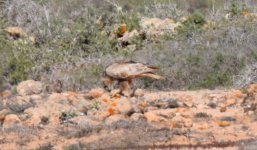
<point x="74" y="43"/>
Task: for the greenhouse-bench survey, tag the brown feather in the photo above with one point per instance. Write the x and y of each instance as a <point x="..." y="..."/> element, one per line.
<point x="151" y="75"/>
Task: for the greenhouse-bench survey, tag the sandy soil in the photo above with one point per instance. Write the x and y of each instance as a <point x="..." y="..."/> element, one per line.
<point x="210" y="119"/>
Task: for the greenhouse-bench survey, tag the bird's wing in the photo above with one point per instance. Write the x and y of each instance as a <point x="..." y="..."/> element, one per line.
<point x="128" y="70"/>
<point x="151" y="75"/>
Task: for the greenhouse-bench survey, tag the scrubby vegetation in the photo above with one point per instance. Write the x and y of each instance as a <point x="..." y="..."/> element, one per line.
<point x="68" y="44"/>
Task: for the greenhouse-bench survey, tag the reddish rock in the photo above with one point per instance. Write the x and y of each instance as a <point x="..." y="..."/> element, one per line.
<point x="29" y="87"/>
<point x="139" y="93"/>
<point x="239" y="94"/>
<point x="152" y="117"/>
<point x="160" y="115"/>
<point x="124" y="106"/>
<point x="167" y="113"/>
<point x="96" y="93"/>
<point x="188" y="123"/>
<point x="178" y="122"/>
<point x="115" y="92"/>
<point x="6" y="94"/>
<point x="201" y="126"/>
<point x="230" y="102"/>
<point x="224" y="123"/>
<point x="223" y="108"/>
<point x="137" y="116"/>
<point x="252" y="88"/>
<point x="11" y="120"/>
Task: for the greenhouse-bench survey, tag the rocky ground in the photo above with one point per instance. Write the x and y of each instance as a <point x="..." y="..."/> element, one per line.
<point x="95" y="119"/>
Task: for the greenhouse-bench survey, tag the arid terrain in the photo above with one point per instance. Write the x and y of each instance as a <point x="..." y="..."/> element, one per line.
<point x="54" y="57"/>
<point x="95" y="119"/>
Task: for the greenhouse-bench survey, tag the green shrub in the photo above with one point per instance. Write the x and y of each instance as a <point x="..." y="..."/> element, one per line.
<point x="66" y="115"/>
<point x="234" y="9"/>
<point x="20" y="61"/>
<point x="191" y="25"/>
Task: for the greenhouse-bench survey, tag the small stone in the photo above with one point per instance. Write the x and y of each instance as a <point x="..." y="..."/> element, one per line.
<point x="202" y="126"/>
<point x="151" y="108"/>
<point x="115" y="92"/>
<point x="6" y="94"/>
<point x="212" y="105"/>
<point x="172" y="103"/>
<point x="186" y="114"/>
<point x="188" y="103"/>
<point x="201" y="115"/>
<point x="178" y="122"/>
<point x="124" y="106"/>
<point x="152" y="117"/>
<point x="35" y="97"/>
<point x="114" y="118"/>
<point x="230" y="102"/>
<point x="137" y="116"/>
<point x="34" y="120"/>
<point x="239" y="94"/>
<point x="139" y="93"/>
<point x="223" y="109"/>
<point x="188" y="123"/>
<point x="228" y="118"/>
<point x="224" y="123"/>
<point x="11" y="120"/>
<point x="96" y="93"/>
<point x="167" y="103"/>
<point x="250" y="112"/>
<point x="252" y="88"/>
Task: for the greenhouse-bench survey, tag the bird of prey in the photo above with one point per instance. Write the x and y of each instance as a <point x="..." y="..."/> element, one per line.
<point x="123" y="73"/>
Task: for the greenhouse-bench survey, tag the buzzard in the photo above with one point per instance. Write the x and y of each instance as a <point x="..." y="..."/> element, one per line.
<point x="123" y="73"/>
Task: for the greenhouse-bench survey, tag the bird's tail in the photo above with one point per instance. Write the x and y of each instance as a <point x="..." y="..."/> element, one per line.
<point x="154" y="76"/>
<point x="153" y="67"/>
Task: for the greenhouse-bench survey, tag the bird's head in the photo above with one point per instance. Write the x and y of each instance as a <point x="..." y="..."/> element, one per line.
<point x="107" y="82"/>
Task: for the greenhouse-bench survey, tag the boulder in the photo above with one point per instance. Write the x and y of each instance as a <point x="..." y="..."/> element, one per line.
<point x="155" y="27"/>
<point x="16" y="32"/>
<point x="29" y="87"/>
<point x="11" y="120"/>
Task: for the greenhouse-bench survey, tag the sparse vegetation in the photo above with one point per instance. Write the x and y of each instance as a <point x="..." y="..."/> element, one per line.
<point x="191" y="25"/>
<point x="73" y="46"/>
<point x="68" y="115"/>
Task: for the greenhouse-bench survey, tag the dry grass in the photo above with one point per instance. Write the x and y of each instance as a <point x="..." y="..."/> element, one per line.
<point x="72" y="50"/>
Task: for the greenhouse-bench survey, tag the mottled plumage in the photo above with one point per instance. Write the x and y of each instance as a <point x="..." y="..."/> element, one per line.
<point x="125" y="72"/>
